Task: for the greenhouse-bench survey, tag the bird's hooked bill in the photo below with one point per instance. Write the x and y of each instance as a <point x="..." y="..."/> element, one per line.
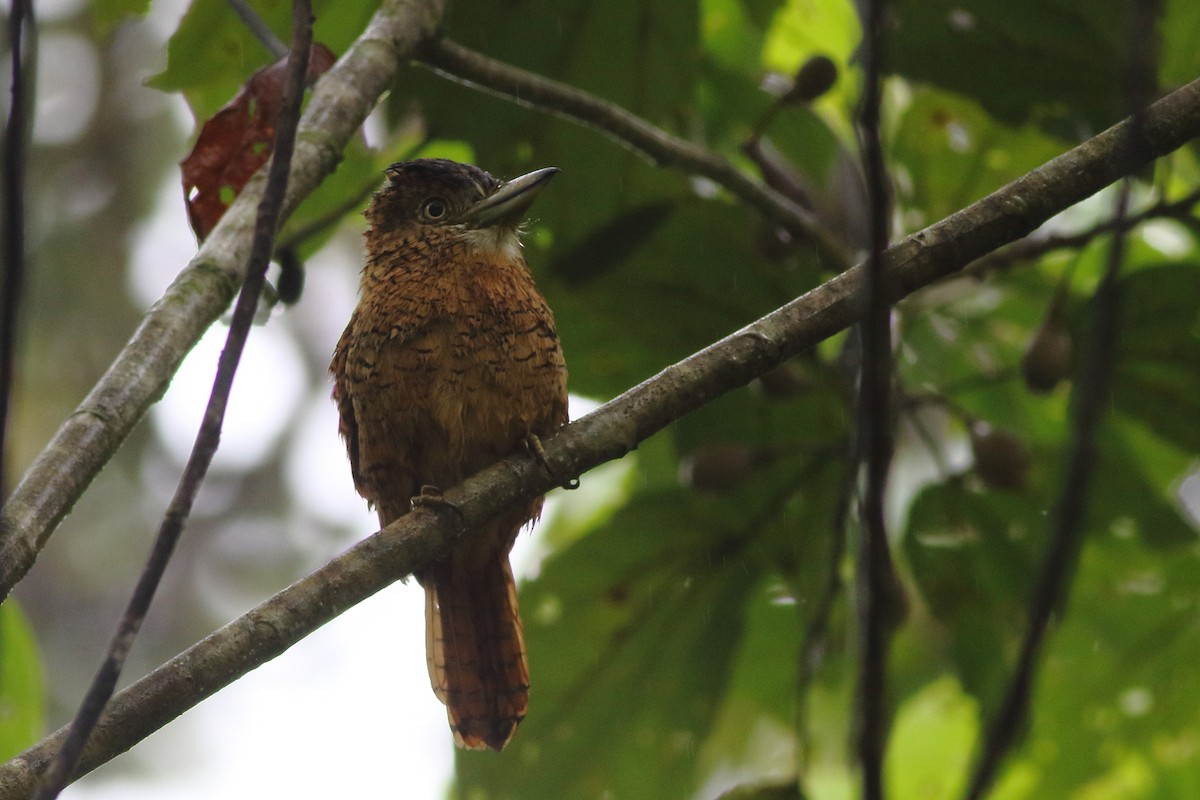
<point x="508" y="204"/>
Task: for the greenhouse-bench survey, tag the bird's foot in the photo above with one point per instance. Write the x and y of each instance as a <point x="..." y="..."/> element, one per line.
<point x="432" y="497"/>
<point x="534" y="445"/>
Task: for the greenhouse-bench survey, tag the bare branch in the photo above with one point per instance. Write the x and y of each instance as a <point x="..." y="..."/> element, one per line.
<point x="631" y="131"/>
<point x="16" y="130"/>
<point x="1037" y="246"/>
<point x="880" y="600"/>
<point x="341" y="100"/>
<point x="616" y="428"/>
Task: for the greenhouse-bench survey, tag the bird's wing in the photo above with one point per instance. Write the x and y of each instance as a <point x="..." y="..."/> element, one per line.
<point x="381" y="372"/>
<point x="347" y="423"/>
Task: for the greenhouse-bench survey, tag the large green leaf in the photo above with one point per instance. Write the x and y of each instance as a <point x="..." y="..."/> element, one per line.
<point x="212" y="52"/>
<point x="930" y="745"/>
<point x="1112" y="684"/>
<point x="1157" y="378"/>
<point x="1057" y="62"/>
<point x="22" y="693"/>
<point x="952" y="152"/>
<point x="1179" y="58"/>
<point x="805" y="28"/>
<point x="1134" y="487"/>
<point x="973" y="556"/>
<point x="733" y="32"/>
<point x="623" y="319"/>
<point x="966" y="342"/>
<point x="107" y="14"/>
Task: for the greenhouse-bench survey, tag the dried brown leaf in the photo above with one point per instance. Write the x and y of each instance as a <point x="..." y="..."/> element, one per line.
<point x="237" y="140"/>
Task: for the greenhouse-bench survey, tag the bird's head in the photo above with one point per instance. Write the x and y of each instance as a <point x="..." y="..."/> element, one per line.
<point x="435" y="199"/>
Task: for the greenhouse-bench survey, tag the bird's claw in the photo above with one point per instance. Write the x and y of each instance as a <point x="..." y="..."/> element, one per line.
<point x="432" y="497"/>
<point x="534" y="445"/>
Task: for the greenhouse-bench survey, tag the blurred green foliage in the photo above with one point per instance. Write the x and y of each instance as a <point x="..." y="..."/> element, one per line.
<point x="665" y="639"/>
<point x="22" y="693"/>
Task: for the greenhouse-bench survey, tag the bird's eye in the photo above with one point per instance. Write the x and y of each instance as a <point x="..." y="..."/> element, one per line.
<point x="434" y="208"/>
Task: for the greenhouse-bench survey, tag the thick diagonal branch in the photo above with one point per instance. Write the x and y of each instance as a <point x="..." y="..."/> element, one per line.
<point x="83" y="444"/>
<point x="616" y="428"/>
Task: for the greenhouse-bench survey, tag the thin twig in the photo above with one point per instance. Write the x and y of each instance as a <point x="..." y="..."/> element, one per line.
<point x="779" y="173"/>
<point x="632" y="132"/>
<point x="1089" y="401"/>
<point x="1033" y="247"/>
<point x="875" y="583"/>
<point x="209" y="436"/>
<point x="20" y="23"/>
<point x="614" y="430"/>
<point x="260" y="29"/>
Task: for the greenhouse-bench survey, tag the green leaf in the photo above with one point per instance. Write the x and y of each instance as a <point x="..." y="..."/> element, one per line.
<point x="1157" y="375"/>
<point x="610" y="245"/>
<point x="967" y="342"/>
<point x="952" y="152"/>
<point x="802" y="29"/>
<point x="1058" y="63"/>
<point x="733" y="32"/>
<point x="1179" y="58"/>
<point x="794" y="505"/>
<point x="212" y="52"/>
<point x="1134" y="486"/>
<point x="22" y="690"/>
<point x="108" y="14"/>
<point x="973" y="556"/>
<point x="668" y="297"/>
<point x="930" y="745"/>
<point x="1116" y="667"/>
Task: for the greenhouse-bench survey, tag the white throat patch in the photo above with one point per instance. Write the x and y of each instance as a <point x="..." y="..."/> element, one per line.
<point x="500" y="240"/>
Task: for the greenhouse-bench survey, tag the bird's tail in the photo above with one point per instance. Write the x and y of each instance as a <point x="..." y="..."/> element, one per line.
<point x="475" y="647"/>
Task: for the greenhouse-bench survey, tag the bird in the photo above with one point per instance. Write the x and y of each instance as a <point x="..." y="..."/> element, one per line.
<point x="450" y="362"/>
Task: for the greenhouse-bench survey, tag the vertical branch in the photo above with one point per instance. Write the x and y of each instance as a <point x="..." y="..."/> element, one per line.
<point x="208" y="437"/>
<point x="15" y="133"/>
<point x="876" y="587"/>
<point x="1090" y="396"/>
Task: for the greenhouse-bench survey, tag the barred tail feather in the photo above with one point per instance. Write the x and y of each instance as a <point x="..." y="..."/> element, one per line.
<point x="475" y="649"/>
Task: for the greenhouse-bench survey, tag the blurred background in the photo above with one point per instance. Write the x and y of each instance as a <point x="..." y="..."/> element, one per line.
<point x="689" y="609"/>
<point x="108" y="233"/>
